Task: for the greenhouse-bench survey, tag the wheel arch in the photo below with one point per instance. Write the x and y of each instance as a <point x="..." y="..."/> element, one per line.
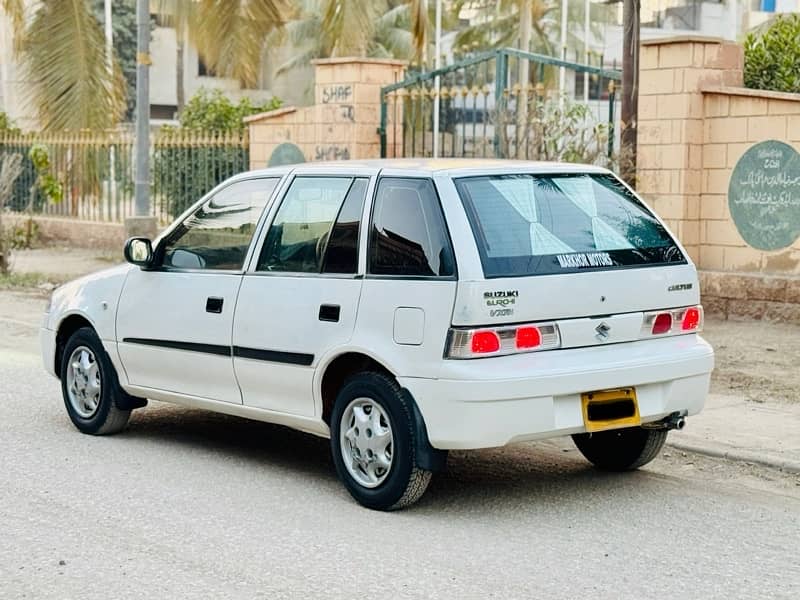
<point x="335" y="372"/>
<point x="68" y="325"/>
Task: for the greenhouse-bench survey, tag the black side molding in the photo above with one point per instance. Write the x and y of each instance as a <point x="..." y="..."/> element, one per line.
<point x="175" y="345"/>
<point x="292" y="358"/>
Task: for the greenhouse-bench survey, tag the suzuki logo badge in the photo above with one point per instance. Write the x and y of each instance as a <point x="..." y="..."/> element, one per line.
<point x="603" y="332"/>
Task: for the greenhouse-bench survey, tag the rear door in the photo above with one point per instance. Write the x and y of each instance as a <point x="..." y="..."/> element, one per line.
<point x="300" y="299"/>
<point x="410" y="285"/>
<point x="569" y="246"/>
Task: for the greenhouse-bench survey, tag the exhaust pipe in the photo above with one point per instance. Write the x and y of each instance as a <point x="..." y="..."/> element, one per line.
<point x="675" y="421"/>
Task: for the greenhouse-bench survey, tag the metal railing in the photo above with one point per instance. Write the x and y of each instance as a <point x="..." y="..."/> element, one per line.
<point x="95" y="171"/>
<point x="491" y="105"/>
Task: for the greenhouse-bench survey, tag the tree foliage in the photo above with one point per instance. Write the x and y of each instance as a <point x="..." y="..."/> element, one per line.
<point x="63" y="53"/>
<point x="231" y="34"/>
<point x="214" y="112"/>
<point x="772" y="56"/>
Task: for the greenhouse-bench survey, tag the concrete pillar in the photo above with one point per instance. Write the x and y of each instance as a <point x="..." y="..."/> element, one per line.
<point x="343" y="122"/>
<point x="673" y="73"/>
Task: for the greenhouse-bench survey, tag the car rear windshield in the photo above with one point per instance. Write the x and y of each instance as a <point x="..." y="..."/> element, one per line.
<point x="547" y="224"/>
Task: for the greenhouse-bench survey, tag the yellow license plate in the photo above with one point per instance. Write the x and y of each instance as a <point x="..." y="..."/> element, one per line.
<point x="610" y="409"/>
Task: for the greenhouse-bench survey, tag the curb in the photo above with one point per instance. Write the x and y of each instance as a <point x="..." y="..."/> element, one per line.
<point x="781" y="464"/>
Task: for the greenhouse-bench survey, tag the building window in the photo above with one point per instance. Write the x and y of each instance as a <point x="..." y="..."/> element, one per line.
<point x="203" y="70"/>
<point x="163" y="111"/>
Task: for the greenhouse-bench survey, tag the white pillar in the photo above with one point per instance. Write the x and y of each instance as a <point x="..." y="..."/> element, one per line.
<point x="562" y="73"/>
<point x="437" y="62"/>
<point x="587" y="9"/>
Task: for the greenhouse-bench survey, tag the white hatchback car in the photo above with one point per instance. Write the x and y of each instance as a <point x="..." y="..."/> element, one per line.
<point x="401" y="308"/>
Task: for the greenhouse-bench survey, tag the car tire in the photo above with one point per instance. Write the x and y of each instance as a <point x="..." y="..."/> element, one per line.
<point x="621" y="449"/>
<point x="367" y="406"/>
<point x="90" y="386"/>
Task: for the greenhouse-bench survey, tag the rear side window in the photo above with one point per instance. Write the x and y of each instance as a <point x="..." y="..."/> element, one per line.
<point x="341" y="255"/>
<point x="547" y="224"/>
<point x="408" y="235"/>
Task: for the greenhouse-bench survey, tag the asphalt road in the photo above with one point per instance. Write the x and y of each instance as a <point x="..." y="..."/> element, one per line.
<point x="187" y="504"/>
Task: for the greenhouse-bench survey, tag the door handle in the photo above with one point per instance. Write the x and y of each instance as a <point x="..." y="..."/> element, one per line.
<point x="329" y="312"/>
<point x="214" y="304"/>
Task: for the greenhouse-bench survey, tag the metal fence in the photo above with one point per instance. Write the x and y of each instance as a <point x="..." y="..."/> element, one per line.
<point x="503" y="103"/>
<point x="95" y="171"/>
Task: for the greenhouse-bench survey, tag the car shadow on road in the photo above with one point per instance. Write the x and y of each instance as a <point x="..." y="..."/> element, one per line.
<point x="528" y="473"/>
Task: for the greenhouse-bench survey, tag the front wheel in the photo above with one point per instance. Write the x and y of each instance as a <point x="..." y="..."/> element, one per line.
<point x="372" y="442"/>
<point x="621" y="449"/>
<point x="89" y="385"/>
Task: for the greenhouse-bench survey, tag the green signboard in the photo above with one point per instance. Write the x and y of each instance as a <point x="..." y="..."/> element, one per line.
<point x="286" y="154"/>
<point x="764" y="195"/>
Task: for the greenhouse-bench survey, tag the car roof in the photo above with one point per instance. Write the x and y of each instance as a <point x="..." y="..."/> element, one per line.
<point x="453" y="167"/>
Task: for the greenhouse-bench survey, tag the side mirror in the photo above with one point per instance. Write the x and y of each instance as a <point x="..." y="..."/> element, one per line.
<point x="139" y="252"/>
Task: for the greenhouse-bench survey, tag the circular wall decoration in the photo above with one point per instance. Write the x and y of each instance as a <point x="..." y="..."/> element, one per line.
<point x="764" y="195"/>
<point x="286" y="154"/>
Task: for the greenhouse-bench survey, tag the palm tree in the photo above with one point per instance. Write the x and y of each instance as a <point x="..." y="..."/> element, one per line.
<point x="63" y="52"/>
<point x="531" y="25"/>
<point x="370" y="28"/>
<point x="233" y="34"/>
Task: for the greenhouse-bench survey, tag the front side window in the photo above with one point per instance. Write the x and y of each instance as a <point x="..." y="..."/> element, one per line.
<point x="217" y="235"/>
<point x="306" y="225"/>
<point x="547" y="224"/>
<point x="408" y="235"/>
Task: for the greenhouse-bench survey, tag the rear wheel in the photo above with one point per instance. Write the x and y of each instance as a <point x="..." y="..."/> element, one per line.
<point x="372" y="442"/>
<point x="621" y="449"/>
<point x="89" y="385"/>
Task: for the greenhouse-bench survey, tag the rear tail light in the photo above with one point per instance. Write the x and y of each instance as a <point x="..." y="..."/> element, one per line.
<point x="691" y="319"/>
<point x="484" y="342"/>
<point x="528" y="337"/>
<point x="501" y="341"/>
<point x="662" y="323"/>
<point x="672" y="322"/>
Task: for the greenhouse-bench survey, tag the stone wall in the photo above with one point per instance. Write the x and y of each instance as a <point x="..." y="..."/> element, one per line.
<point x="342" y="124"/>
<point x="696" y="121"/>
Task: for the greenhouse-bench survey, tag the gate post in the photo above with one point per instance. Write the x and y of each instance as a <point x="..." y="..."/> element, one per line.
<point x="500" y="80"/>
<point x="382" y="126"/>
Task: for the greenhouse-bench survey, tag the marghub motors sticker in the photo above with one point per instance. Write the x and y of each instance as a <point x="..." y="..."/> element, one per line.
<point x="501" y="303"/>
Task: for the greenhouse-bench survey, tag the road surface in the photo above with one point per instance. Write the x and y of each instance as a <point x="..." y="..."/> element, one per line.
<point x="187" y="504"/>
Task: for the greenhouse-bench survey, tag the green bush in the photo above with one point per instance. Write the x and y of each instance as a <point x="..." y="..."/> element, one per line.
<point x="211" y="111"/>
<point x="184" y="170"/>
<point x="771" y="57"/>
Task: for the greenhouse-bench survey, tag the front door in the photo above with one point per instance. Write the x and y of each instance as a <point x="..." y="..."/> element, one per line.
<point x="174" y="321"/>
<point x="301" y="298"/>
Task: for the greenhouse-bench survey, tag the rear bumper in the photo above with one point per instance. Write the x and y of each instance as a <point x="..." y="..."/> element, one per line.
<point x="496" y="401"/>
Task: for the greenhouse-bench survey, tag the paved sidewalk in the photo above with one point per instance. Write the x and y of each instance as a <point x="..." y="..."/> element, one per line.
<point x="62" y="264"/>
<point x="734" y="428"/>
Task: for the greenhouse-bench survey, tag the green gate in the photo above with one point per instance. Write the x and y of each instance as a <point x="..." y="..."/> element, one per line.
<point x="503" y="103"/>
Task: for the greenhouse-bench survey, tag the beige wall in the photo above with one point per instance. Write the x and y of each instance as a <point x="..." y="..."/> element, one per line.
<point x="343" y="122"/>
<point x="735" y="119"/>
<point x="696" y="120"/>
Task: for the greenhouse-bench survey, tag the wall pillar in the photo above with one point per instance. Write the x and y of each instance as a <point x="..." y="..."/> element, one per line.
<point x="669" y="169"/>
<point x="343" y="122"/>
